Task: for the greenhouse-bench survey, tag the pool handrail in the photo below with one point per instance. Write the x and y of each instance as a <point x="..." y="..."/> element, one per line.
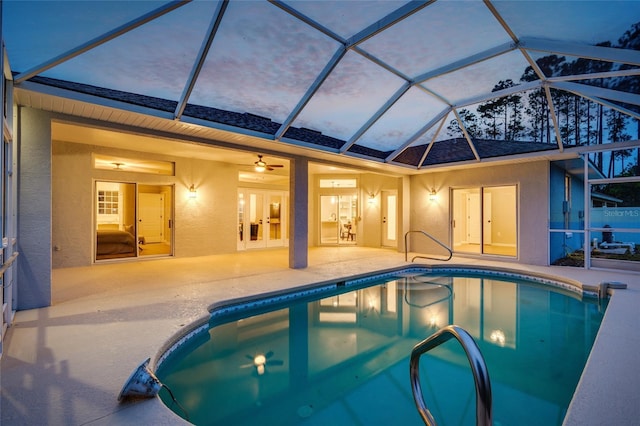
<point x="440" y="243"/>
<point x="478" y="367"/>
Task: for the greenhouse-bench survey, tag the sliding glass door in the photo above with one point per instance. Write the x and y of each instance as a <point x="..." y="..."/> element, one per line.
<point x="133" y="220"/>
<point x="155" y="220"/>
<point x="115" y="220"/>
<point x="484" y="220"/>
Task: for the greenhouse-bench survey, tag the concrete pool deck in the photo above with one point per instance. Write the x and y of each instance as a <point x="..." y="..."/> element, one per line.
<point x="66" y="364"/>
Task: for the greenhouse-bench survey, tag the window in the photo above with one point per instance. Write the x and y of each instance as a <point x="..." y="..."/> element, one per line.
<point x="136" y="165"/>
<point x="108" y="202"/>
<point x="338" y="183"/>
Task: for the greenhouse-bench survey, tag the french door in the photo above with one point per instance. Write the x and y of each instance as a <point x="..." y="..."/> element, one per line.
<point x="338" y="218"/>
<point x="261" y="219"/>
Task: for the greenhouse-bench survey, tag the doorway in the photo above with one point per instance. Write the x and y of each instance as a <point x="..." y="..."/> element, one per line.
<point x="132" y="220"/>
<point x="389" y="218"/>
<point x="484" y="220"/>
<point x="338" y="218"/>
<point x="261" y="219"/>
<point x="155" y="220"/>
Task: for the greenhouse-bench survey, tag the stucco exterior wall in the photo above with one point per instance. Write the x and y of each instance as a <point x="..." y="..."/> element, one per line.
<point x="34" y="209"/>
<point x="434" y="217"/>
<point x="202" y="226"/>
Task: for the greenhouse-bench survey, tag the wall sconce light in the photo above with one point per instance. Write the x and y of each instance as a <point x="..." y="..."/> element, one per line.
<point x="192" y="192"/>
<point x="372" y="199"/>
<point x="433" y="195"/>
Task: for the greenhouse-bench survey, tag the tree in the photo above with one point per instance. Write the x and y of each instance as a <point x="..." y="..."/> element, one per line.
<point x="503" y="116"/>
<point x="538" y="108"/>
<point x="616" y="125"/>
<point x="470" y="123"/>
<point x="628" y="192"/>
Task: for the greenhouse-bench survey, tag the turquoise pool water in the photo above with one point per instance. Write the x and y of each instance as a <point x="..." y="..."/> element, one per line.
<point x="339" y="354"/>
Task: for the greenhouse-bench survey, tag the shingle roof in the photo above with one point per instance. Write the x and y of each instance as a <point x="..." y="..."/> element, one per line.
<point x="445" y="151"/>
<point x="457" y="149"/>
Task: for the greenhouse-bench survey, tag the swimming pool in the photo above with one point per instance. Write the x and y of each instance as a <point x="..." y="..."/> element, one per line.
<point x="339" y="353"/>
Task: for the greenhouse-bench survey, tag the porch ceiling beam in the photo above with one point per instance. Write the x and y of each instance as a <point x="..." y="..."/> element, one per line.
<point x="97" y="41"/>
<point x="202" y="55"/>
<point x="598" y="53"/>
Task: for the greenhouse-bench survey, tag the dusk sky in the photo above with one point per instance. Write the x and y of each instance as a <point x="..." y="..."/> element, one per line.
<point x="263" y="60"/>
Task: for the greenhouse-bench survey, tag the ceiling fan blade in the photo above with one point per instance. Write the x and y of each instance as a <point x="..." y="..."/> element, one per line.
<point x="276" y="165"/>
<point x="268" y="354"/>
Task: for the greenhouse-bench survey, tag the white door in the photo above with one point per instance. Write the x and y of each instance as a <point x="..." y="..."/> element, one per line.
<point x="389" y="218"/>
<point x="255" y="223"/>
<point x="486" y="217"/>
<point x="473" y="219"/>
<point x="274" y="227"/>
<point x="151" y="217"/>
<point x="261" y="219"/>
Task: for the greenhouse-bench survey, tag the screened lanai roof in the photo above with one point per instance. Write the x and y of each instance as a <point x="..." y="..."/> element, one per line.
<point x="414" y="84"/>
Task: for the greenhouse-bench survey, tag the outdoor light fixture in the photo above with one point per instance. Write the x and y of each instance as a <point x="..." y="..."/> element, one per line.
<point x="192" y="192"/>
<point x="372" y="199"/>
<point x="433" y="195"/>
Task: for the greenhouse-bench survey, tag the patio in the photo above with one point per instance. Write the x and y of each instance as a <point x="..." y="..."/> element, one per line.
<point x="67" y="363"/>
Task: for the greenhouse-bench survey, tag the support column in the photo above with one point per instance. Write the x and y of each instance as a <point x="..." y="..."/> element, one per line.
<point x="34" y="209"/>
<point x="299" y="213"/>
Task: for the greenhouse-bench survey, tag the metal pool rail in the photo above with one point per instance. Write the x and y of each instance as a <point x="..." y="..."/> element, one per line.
<point x="441" y="244"/>
<point x="478" y="367"/>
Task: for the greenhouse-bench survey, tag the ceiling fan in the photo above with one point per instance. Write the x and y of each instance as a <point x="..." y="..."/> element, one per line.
<point x="261" y="165"/>
<point x="260" y="361"/>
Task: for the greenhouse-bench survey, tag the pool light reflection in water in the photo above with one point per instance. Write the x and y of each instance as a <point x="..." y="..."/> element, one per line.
<point x="344" y="358"/>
